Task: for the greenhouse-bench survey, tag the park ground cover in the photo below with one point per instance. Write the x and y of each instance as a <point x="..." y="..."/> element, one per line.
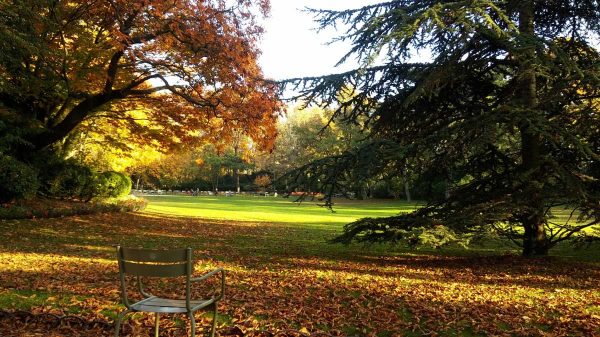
<point x="283" y="278"/>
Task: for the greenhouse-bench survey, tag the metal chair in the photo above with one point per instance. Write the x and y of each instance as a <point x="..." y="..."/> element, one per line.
<point x="164" y="263"/>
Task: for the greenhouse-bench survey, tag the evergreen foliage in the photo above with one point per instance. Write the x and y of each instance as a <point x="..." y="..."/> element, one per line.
<point x="67" y="179"/>
<point x="17" y="179"/>
<point x="507" y="112"/>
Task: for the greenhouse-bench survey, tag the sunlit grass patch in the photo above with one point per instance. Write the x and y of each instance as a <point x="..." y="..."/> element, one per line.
<point x="24" y="299"/>
<point x="271" y="209"/>
<point x="28" y="299"/>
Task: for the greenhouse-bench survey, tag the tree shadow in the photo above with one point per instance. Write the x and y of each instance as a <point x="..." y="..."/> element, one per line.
<point x="251" y="245"/>
<point x="289" y="274"/>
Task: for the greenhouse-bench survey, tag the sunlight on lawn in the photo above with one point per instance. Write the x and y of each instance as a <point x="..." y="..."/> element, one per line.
<point x="269" y="209"/>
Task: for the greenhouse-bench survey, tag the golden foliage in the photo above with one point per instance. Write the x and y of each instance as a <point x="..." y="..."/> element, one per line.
<point x="168" y="72"/>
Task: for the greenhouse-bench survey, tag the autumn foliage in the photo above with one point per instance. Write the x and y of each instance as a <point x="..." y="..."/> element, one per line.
<point x="170" y="71"/>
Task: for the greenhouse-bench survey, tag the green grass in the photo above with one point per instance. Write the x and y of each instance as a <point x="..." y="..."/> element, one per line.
<point x="27" y="299"/>
<point x="307" y="222"/>
<point x="270" y="209"/>
<point x="22" y="299"/>
<point x="314" y="224"/>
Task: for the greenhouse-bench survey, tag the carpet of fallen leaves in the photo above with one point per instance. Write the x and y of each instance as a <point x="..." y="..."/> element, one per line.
<point x="283" y="281"/>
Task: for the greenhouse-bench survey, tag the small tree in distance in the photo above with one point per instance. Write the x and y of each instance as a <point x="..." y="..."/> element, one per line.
<point x="263" y="182"/>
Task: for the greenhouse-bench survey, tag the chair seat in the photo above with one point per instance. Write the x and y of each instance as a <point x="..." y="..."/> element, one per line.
<point x="157" y="304"/>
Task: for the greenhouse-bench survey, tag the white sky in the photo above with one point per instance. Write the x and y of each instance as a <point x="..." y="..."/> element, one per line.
<point x="292" y="48"/>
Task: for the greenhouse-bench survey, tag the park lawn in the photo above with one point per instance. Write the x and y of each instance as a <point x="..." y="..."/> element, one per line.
<point x="284" y="277"/>
<point x="275" y="209"/>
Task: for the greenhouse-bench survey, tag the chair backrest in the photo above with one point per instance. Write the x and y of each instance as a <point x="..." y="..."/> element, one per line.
<point x="155" y="263"/>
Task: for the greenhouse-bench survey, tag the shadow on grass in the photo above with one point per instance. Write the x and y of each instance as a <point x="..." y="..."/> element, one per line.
<point x="288" y="275"/>
<point x="253" y="245"/>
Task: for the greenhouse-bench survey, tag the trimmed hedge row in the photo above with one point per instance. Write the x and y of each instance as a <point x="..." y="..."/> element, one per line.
<point x="58" y="179"/>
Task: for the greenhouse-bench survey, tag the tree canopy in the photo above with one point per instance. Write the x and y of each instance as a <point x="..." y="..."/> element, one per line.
<point x="507" y="111"/>
<point x="168" y="70"/>
<point x="306" y="135"/>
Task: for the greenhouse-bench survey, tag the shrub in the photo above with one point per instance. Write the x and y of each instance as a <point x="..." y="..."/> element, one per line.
<point x="112" y="184"/>
<point x="382" y="190"/>
<point x="129" y="204"/>
<point x="52" y="208"/>
<point x="17" y="179"/>
<point x="67" y="179"/>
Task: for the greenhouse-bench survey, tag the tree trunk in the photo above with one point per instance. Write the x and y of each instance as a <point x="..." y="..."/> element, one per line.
<point x="405" y="182"/>
<point x="236" y="173"/>
<point x="361" y="191"/>
<point x="407" y="191"/>
<point x="535" y="242"/>
<point x="59" y="131"/>
<point x="534" y="239"/>
<point x="215" y="180"/>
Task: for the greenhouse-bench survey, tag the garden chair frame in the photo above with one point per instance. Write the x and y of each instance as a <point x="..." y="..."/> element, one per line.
<point x="162" y="264"/>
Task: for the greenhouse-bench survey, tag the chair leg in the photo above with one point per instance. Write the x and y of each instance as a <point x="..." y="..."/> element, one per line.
<point x="214" y="322"/>
<point x="119" y="320"/>
<point x="156" y="325"/>
<point x="192" y="324"/>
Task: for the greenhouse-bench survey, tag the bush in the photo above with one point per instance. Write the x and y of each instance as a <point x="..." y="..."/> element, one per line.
<point x="382" y="190"/>
<point x="66" y="179"/>
<point x="430" y="187"/>
<point x="192" y="185"/>
<point x="17" y="179"/>
<point x="112" y="184"/>
<point x="53" y="208"/>
<point x="263" y="182"/>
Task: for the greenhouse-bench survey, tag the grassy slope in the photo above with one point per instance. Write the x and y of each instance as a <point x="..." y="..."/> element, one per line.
<point x="283" y="275"/>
